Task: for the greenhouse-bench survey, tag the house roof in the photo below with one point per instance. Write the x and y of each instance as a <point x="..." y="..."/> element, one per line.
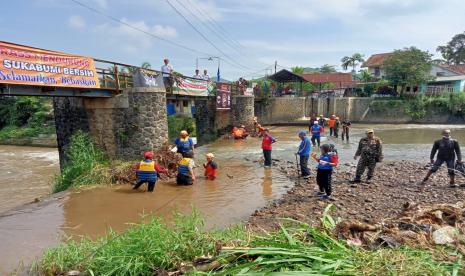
<point x="457" y="68"/>
<point x="286" y="76"/>
<point x="328" y="77"/>
<point x="376" y="60"/>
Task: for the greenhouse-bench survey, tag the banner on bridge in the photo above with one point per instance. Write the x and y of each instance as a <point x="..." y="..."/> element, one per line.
<point x="32" y="66"/>
<point x="147" y="78"/>
<point x="192" y="87"/>
<point x="223" y="96"/>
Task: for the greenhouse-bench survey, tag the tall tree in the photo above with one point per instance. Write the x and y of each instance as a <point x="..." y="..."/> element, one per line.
<point x="454" y="51"/>
<point x="326" y="68"/>
<point x="409" y="66"/>
<point x="297" y="70"/>
<point x="352" y="61"/>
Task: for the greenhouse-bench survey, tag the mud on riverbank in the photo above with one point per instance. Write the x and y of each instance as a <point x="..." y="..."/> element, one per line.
<point x="394" y="184"/>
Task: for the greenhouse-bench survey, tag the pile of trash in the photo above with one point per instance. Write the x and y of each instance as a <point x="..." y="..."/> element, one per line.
<point x="124" y="173"/>
<point x="416" y="226"/>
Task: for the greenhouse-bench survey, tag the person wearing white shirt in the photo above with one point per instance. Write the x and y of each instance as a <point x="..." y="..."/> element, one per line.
<point x="206" y="76"/>
<point x="167" y="71"/>
<point x="197" y="75"/>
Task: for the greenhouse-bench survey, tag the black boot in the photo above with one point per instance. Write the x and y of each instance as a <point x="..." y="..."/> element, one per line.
<point x="369" y="179"/>
<point x="356" y="180"/>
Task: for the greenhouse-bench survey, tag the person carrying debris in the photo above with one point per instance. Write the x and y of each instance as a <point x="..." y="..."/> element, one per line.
<point x="346" y="124"/>
<point x="305" y="148"/>
<point x="316" y="131"/>
<point x="267" y="142"/>
<point x="147" y="172"/>
<point x="184" y="143"/>
<point x="186" y="165"/>
<point x="370" y="151"/>
<point x="211" y="167"/>
<point x="447" y="149"/>
<point x="258" y="129"/>
<point x="324" y="172"/>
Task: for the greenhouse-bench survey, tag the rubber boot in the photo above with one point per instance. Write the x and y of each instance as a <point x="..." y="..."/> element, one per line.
<point x="357" y="179"/>
<point x="369" y="179"/>
<point x="452" y="181"/>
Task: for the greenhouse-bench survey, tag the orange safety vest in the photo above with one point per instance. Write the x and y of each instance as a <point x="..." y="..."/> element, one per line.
<point x="332" y="123"/>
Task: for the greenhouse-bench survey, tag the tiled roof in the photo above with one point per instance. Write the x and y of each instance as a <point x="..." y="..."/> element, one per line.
<point x="457" y="68"/>
<point x="376" y="60"/>
<point x="328" y="77"/>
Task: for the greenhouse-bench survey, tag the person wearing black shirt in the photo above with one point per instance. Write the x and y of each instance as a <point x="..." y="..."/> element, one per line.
<point x="447" y="149"/>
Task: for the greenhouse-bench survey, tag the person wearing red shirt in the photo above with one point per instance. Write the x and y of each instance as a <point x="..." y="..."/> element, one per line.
<point x="267" y="142"/>
<point x="147" y="171"/>
<point x="211" y="168"/>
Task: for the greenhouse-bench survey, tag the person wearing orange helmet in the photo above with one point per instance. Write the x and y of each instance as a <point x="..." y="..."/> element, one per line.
<point x="147" y="172"/>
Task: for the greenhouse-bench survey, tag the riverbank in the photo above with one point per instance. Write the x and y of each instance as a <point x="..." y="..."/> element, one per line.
<point x="272" y="243"/>
<point x="394" y="185"/>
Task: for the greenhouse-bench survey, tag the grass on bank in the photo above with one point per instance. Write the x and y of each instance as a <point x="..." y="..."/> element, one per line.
<point x="15" y="132"/>
<point x="295" y="249"/>
<point x="83" y="160"/>
<point x="176" y="123"/>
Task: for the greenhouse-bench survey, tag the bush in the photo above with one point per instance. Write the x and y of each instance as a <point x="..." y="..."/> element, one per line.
<point x="177" y="123"/>
<point x="82" y="156"/>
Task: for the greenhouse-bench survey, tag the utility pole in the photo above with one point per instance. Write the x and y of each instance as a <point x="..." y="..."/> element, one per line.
<point x="275" y="65"/>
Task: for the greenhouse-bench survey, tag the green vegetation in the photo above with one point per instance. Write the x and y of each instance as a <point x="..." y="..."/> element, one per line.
<point x="408" y="66"/>
<point x="176" y="123"/>
<point x="25" y="117"/>
<point x="454" y="51"/>
<point x="352" y="61"/>
<point x="83" y="158"/>
<point x="295" y="249"/>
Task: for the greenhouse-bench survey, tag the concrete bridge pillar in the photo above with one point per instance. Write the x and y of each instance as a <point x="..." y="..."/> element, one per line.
<point x="205" y="118"/>
<point x="242" y="111"/>
<point x="124" y="126"/>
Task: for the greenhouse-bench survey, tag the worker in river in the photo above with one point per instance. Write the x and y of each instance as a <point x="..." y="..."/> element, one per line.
<point x="186" y="165"/>
<point x="337" y="124"/>
<point x="267" y="142"/>
<point x="239" y="132"/>
<point x="346" y="124"/>
<point x="184" y="143"/>
<point x="370" y="152"/>
<point x="258" y="128"/>
<point x="148" y="171"/>
<point x="305" y="148"/>
<point x="447" y="150"/>
<point x="211" y="168"/>
<point x="322" y="121"/>
<point x="331" y="124"/>
<point x="316" y="131"/>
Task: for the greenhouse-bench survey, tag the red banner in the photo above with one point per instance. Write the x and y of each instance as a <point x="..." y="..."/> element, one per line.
<point x="31" y="66"/>
<point x="223" y="96"/>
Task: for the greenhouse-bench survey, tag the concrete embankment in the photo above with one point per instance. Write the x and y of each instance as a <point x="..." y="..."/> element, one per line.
<point x="289" y="110"/>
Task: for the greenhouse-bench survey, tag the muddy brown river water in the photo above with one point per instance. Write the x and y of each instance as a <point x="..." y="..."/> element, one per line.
<point x="242" y="187"/>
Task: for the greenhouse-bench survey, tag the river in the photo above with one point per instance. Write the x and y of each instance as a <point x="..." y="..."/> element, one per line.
<point x="242" y="187"/>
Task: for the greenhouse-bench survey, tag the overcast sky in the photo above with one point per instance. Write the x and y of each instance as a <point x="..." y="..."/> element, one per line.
<point x="249" y="34"/>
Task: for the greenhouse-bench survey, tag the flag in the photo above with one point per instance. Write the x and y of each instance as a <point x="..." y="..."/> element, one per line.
<point x="218" y="75"/>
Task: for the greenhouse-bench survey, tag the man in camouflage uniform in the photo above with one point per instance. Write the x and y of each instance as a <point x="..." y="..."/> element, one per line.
<point x="370" y="151"/>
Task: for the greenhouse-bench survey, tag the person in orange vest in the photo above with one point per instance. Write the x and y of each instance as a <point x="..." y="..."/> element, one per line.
<point x="331" y="124"/>
<point x="211" y="168"/>
<point x="258" y="129"/>
<point x="147" y="172"/>
<point x="239" y="132"/>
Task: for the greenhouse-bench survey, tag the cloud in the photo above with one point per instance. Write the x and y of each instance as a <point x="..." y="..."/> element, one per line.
<point x="133" y="40"/>
<point x="76" y="22"/>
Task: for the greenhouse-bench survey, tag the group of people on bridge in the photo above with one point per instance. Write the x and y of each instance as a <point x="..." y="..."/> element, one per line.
<point x="369" y="152"/>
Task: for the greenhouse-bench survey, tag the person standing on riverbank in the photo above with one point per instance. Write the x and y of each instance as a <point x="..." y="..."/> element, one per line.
<point x="184" y="143"/>
<point x="305" y="148"/>
<point x="370" y="151"/>
<point x="316" y="131"/>
<point x="186" y="166"/>
<point x="147" y="172"/>
<point x="324" y="172"/>
<point x="448" y="149"/>
<point x="267" y="142"/>
<point x="346" y="124"/>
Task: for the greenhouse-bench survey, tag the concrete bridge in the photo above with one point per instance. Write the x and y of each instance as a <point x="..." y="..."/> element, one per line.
<point x="125" y="120"/>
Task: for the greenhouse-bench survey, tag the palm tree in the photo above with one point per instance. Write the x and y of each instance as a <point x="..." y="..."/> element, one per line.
<point x="365" y="76"/>
<point x="353" y="61"/>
